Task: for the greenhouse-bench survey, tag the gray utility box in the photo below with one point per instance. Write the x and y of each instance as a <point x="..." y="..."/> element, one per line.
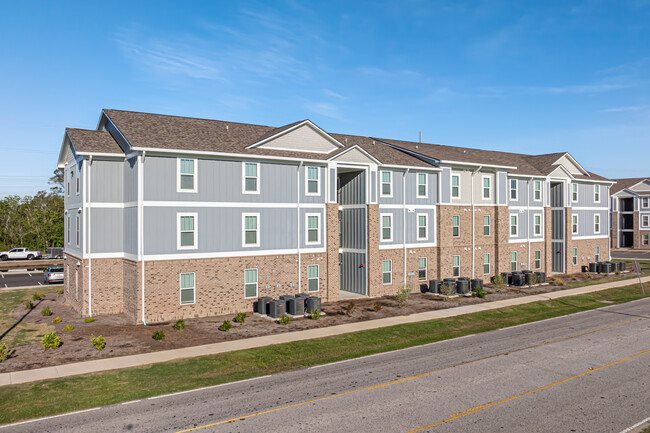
<point x="593" y="267"/>
<point x="434" y="286"/>
<point x="302" y="295"/>
<point x="462" y="286"/>
<point x="620" y="266"/>
<point x="286" y="297"/>
<point x="263" y="304"/>
<point x="518" y="279"/>
<point x="277" y="308"/>
<point x="476" y="284"/>
<point x="312" y="304"/>
<point x="296" y="306"/>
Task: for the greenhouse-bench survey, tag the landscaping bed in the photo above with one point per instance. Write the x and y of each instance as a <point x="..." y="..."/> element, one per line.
<point x="124" y="338"/>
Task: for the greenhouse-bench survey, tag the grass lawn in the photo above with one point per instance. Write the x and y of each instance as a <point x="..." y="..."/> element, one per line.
<point x="19" y="402"/>
<point x="18" y="334"/>
<point x="645" y="271"/>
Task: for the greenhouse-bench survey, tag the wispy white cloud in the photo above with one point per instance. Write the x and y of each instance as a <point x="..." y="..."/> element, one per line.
<point x="333" y="94"/>
<point x="626" y="108"/>
<point x="324" y="109"/>
<point x="582" y="88"/>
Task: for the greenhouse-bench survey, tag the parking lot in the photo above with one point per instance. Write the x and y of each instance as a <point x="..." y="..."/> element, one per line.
<point x="20" y="278"/>
<point x="631" y="254"/>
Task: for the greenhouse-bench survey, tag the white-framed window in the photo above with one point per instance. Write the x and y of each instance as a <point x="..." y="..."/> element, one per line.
<point x="486" y="263"/>
<point x="186" y="174"/>
<point x="645" y="202"/>
<point x="513" y="189"/>
<point x="537" y="229"/>
<point x="513" y="225"/>
<point x="596" y="223"/>
<point x="487" y="187"/>
<point x="250" y="283"/>
<point x="644" y="240"/>
<point x="597" y="255"/>
<point x="486" y="225"/>
<point x="423" y="185"/>
<point x="645" y="221"/>
<point x="597" y="193"/>
<point x="455" y="226"/>
<point x="422" y="268"/>
<point x="313" y="180"/>
<point x="69" y="223"/>
<point x="537" y="190"/>
<point x="77" y="179"/>
<point x="455" y="186"/>
<point x="250" y="177"/>
<point x="312" y="228"/>
<point x="574" y="259"/>
<point x="78" y="229"/>
<point x="313" y="272"/>
<point x="574" y="224"/>
<point x="538" y="259"/>
<point x="513" y="261"/>
<point x="187" y="294"/>
<point x="187" y="231"/>
<point x="574" y="192"/>
<point x="386" y="184"/>
<point x="455" y="266"/>
<point x="423" y="226"/>
<point x="387" y="271"/>
<point x="250" y="229"/>
<point x="68" y="175"/>
<point x="386" y="227"/>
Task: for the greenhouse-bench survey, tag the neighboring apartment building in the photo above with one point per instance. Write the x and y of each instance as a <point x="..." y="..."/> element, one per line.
<point x="169" y="217"/>
<point x="630" y="213"/>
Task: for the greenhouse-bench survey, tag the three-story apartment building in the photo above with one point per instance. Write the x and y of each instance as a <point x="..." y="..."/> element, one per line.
<point x="169" y="217"/>
<point x="630" y="213"/>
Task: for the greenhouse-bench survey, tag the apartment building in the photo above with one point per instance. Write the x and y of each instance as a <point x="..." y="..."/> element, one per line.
<point x="630" y="213"/>
<point x="169" y="217"/>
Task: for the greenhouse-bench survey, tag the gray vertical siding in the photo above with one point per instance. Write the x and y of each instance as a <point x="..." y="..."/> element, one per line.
<point x="411" y="188"/>
<point x="398" y="235"/>
<point x="445" y="178"/>
<point x="107" y="181"/>
<point x="130" y="234"/>
<point x="397" y="188"/>
<point x="73" y="200"/>
<point x="557" y="194"/>
<point x="130" y="180"/>
<point x="70" y="244"/>
<point x="352" y="275"/>
<point x="332" y="186"/>
<point x="107" y="230"/>
<point x="353" y="233"/>
<point x="373" y="187"/>
<point x="352" y="188"/>
<point x="522" y="191"/>
<point x="586" y="195"/>
<point x="557" y="224"/>
<point x="283" y="168"/>
<point x="586" y="222"/>
<point x="502" y="185"/>
<point x="412" y="227"/>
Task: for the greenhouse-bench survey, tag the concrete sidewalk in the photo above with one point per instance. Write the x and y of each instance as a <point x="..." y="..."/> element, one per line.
<point x="107" y="364"/>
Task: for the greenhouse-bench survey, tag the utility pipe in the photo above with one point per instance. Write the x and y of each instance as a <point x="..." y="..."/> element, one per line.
<point x="473" y="223"/>
<point x="528" y="218"/>
<point x="298" y="225"/>
<point x="141" y="225"/>
<point x="90" y="260"/>
<point x="404" y="219"/>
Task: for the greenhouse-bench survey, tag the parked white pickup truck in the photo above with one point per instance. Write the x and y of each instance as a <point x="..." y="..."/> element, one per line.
<point x="20" y="254"/>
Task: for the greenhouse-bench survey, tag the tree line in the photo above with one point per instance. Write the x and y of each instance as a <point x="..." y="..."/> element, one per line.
<point x="34" y="222"/>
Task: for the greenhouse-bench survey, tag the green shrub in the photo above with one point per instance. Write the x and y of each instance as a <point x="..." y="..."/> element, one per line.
<point x="60" y="292"/>
<point x="499" y="282"/>
<point x="377" y="307"/>
<point x="4" y="352"/>
<point x="180" y="324"/>
<point x="89" y="319"/>
<point x="158" y="335"/>
<point x="37" y="296"/>
<point x="479" y="292"/>
<point x="51" y="341"/>
<point x="68" y="328"/>
<point x="315" y="314"/>
<point x="46" y="311"/>
<point x="225" y="326"/>
<point x="29" y="305"/>
<point x="402" y="296"/>
<point x="349" y="309"/>
<point x="240" y="317"/>
<point x="284" y="320"/>
<point x="55" y="321"/>
<point x="98" y="342"/>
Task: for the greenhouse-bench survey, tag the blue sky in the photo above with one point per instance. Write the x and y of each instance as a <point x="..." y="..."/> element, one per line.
<point x="531" y="77"/>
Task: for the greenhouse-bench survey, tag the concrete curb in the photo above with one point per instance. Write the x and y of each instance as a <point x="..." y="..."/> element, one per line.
<point x="101" y="365"/>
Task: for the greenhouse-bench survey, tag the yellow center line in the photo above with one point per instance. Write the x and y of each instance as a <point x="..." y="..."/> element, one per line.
<point x="514" y="397"/>
<point x="417" y="376"/>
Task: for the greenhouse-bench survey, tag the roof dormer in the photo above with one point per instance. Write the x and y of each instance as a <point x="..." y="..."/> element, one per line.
<point x="303" y="136"/>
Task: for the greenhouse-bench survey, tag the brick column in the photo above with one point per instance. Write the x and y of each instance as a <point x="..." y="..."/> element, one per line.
<point x="501" y="229"/>
<point x="547" y="265"/>
<point x="373" y="261"/>
<point x="332" y="227"/>
<point x="614" y="232"/>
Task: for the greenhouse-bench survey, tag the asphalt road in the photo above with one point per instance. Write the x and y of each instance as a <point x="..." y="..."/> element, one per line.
<point x="11" y="279"/>
<point x="631" y="254"/>
<point x="588" y="372"/>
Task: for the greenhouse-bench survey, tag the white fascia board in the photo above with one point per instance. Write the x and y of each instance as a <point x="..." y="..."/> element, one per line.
<point x="237" y="156"/>
<point x="411" y="167"/>
<point x="360" y="149"/>
<point x="573" y="160"/>
<point x="66" y="142"/>
<point x="572" y="177"/>
<point x="473" y="164"/>
<point x="296" y="126"/>
<point x="101" y="154"/>
<point x="527" y="176"/>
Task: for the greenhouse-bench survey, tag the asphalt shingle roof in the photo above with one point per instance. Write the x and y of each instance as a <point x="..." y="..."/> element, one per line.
<point x="85" y="140"/>
<point x="621" y="184"/>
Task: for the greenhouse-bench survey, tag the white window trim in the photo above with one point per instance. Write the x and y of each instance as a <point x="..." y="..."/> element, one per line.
<point x="489" y="188"/>
<point x="381" y="227"/>
<point x="516" y="226"/>
<point x="597" y="253"/>
<point x="489" y="263"/>
<point x="381" y="183"/>
<point x="515" y="189"/>
<point x="577" y="230"/>
<point x="243" y="230"/>
<point x="647" y="200"/>
<point x="195" y="175"/>
<point x="67" y="180"/>
<point x="452" y="226"/>
<point x="69" y="236"/>
<point x="180" y="288"/>
<point x="577" y="192"/>
<point x="77" y="230"/>
<point x="76" y="180"/>
<point x="541" y="224"/>
<point x="312" y="278"/>
<point x="645" y="239"/>
<point x="597" y="187"/>
<point x="178" y="230"/>
<point x="317" y="193"/>
<point x="426" y="265"/>
<point x="307" y="215"/>
<point x="535" y="182"/>
<point x="451" y="187"/>
<point x="647" y="218"/>
<point x="243" y="178"/>
<point x="540" y="259"/>
<point x="257" y="283"/>
<point x="599" y="224"/>
<point x="574" y="256"/>
<point x="426" y="226"/>
<point x="452" y="265"/>
<point x="515" y="261"/>
<point x="489" y="225"/>
<point x="417" y="185"/>
<point x="384" y="272"/>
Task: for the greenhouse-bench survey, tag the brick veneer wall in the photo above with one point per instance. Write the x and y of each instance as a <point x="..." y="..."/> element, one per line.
<point x="397" y="256"/>
<point x="614" y="231"/>
<point x="375" y="286"/>
<point x="332" y="266"/>
<point x="73" y="295"/>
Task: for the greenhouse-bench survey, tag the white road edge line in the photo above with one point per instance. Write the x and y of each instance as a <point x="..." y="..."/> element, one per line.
<point x="48" y="417"/>
<point x="208" y="387"/>
<point x="130" y="402"/>
<point x="29" y="273"/>
<point x="39" y="283"/>
<point x="629" y="429"/>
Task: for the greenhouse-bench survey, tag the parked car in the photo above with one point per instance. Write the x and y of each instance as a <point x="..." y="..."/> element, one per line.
<point x="53" y="275"/>
<point x="54" y="253"/>
<point x="20" y="254"/>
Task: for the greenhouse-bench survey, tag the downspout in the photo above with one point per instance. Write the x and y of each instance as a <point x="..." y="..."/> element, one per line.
<point x="528" y="218"/>
<point x="90" y="260"/>
<point x="474" y="224"/>
<point x="141" y="225"/>
<point x="404" y="219"/>
<point x="298" y="225"/>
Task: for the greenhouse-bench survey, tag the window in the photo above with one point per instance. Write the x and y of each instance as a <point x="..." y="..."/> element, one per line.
<point x="486" y="264"/>
<point x="313" y="228"/>
<point x="387" y="271"/>
<point x="575" y="256"/>
<point x="513" y="189"/>
<point x="251" y="184"/>
<point x="645" y="240"/>
<point x="513" y="261"/>
<point x="455" y="221"/>
<point x="312" y="278"/>
<point x="597" y="193"/>
<point x="77" y="179"/>
<point x="386" y="184"/>
<point x="455" y="186"/>
<point x="596" y="223"/>
<point x="538" y="225"/>
<point x="537" y="187"/>
<point x="78" y="225"/>
<point x="187" y="231"/>
<point x="597" y="254"/>
<point x="455" y="266"/>
<point x="574" y="224"/>
<point x="644" y="221"/>
<point x="187" y="288"/>
<point x="487" y="188"/>
<point x="513" y="225"/>
<point x="386" y="227"/>
<point x="422" y="185"/>
<point x="313" y="181"/>
<point x="486" y="225"/>
<point x="574" y="191"/>
<point x="186" y="175"/>
<point x="422" y="268"/>
<point x="538" y="259"/>
<point x="250" y="283"/>
<point x="69" y="238"/>
<point x="251" y="229"/>
<point x="423" y="227"/>
<point x="67" y="184"/>
<point x="645" y="202"/>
